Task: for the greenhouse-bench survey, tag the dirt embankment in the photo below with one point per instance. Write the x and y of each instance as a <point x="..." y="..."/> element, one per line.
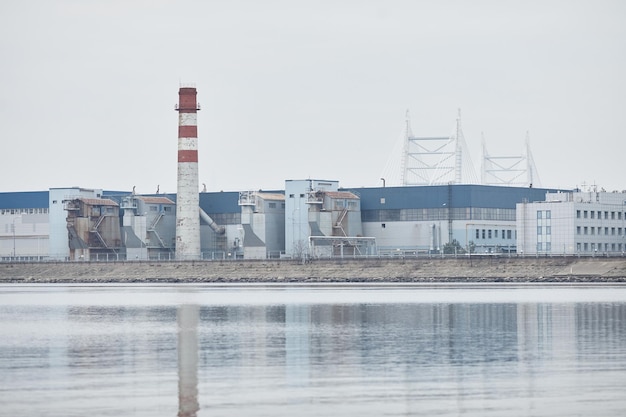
<point x="474" y="269"/>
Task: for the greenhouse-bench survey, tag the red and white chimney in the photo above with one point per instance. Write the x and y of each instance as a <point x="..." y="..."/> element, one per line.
<point x="187" y="198"/>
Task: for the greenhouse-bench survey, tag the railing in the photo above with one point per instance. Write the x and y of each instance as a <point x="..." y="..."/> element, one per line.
<point x="220" y="256"/>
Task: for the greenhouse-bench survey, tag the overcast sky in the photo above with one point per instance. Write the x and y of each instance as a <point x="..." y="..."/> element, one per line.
<point x="305" y="89"/>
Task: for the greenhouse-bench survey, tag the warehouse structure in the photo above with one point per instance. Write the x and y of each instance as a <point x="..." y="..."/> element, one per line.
<point x="312" y="218"/>
<point x="453" y="218"/>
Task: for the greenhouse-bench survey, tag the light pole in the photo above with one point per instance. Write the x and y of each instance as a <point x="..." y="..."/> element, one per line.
<point x="14" y="218"/>
<point x="623" y="228"/>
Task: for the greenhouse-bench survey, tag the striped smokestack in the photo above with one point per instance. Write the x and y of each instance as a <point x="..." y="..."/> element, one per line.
<point x="187" y="199"/>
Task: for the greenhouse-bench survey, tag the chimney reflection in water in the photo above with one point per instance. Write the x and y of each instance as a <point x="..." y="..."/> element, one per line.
<point x="187" y="318"/>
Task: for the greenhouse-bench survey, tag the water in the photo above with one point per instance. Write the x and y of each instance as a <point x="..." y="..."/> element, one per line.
<point x="343" y="350"/>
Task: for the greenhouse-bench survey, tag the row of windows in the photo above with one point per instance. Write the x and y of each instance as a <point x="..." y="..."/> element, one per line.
<point x="608" y="231"/>
<point x="9" y="212"/>
<point x="505" y="234"/>
<point x="165" y="208"/>
<point x="592" y="214"/>
<point x="541" y="230"/>
<point x="431" y="214"/>
<point x="605" y="247"/>
<point x="585" y="247"/>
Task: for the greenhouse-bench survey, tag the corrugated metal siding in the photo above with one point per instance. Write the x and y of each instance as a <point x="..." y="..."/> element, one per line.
<point x="223" y="202"/>
<point x="24" y="199"/>
<point x="438" y="195"/>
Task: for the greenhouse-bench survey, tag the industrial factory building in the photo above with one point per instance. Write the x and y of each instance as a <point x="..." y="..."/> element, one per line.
<point x="313" y="218"/>
<point x="437" y="209"/>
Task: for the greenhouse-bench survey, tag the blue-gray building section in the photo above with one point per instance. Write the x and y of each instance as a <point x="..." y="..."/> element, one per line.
<point x="24" y="199"/>
<point x="437" y="196"/>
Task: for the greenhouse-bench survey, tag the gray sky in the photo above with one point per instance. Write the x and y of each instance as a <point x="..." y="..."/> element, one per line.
<point x="299" y="89"/>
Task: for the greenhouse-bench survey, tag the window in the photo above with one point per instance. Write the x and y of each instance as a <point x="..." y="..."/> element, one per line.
<point x="489" y="233"/>
<point x="548" y="230"/>
<point x="496" y="233"/>
<point x="578" y="247"/>
<point x="606" y="215"/>
<point x="585" y="214"/>
<point x="593" y="213"/>
<point x="272" y="205"/>
<point x="612" y="215"/>
<point x="538" y="230"/>
<point x="508" y="234"/>
<point x="606" y="230"/>
<point x="301" y="195"/>
<point x="548" y="214"/>
<point x="577" y="230"/>
<point x="613" y="231"/>
<point x="477" y="233"/>
<point x="483" y="233"/>
<point x="290" y="195"/>
<point x="578" y="214"/>
<point x="593" y="230"/>
<point x="538" y="214"/>
<point x="548" y="246"/>
<point x="585" y="230"/>
<point x="539" y="247"/>
<point x="383" y="225"/>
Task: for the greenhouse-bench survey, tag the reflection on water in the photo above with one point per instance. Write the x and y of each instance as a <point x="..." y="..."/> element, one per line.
<point x="200" y="351"/>
<point x="188" y="317"/>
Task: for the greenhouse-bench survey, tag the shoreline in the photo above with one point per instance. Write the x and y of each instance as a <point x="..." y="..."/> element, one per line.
<point x="369" y="270"/>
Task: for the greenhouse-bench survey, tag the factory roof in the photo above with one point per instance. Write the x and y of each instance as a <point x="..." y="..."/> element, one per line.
<point x="272" y="196"/>
<point x="98" y="201"/>
<point x="155" y="200"/>
<point x="341" y="194"/>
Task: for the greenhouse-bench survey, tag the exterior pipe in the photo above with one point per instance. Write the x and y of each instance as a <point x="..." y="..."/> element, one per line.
<point x="220" y="230"/>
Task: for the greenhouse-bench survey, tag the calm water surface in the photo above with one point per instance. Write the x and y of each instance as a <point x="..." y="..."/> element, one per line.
<point x="359" y="350"/>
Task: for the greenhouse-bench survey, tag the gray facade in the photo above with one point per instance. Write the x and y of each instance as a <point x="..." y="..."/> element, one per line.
<point x="148" y="227"/>
<point x="571" y="223"/>
<point x="262" y="225"/>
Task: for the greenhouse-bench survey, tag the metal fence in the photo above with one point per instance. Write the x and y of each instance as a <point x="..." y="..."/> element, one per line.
<point x="278" y="257"/>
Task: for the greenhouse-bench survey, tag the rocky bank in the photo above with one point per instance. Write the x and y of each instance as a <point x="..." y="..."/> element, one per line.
<point x="467" y="269"/>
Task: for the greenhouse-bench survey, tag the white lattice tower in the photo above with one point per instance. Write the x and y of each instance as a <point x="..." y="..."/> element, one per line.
<point x="436" y="160"/>
<point x="510" y="170"/>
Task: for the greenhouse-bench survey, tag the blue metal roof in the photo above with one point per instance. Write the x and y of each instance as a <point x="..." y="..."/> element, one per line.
<point x="24" y="199"/>
<point x="454" y="195"/>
